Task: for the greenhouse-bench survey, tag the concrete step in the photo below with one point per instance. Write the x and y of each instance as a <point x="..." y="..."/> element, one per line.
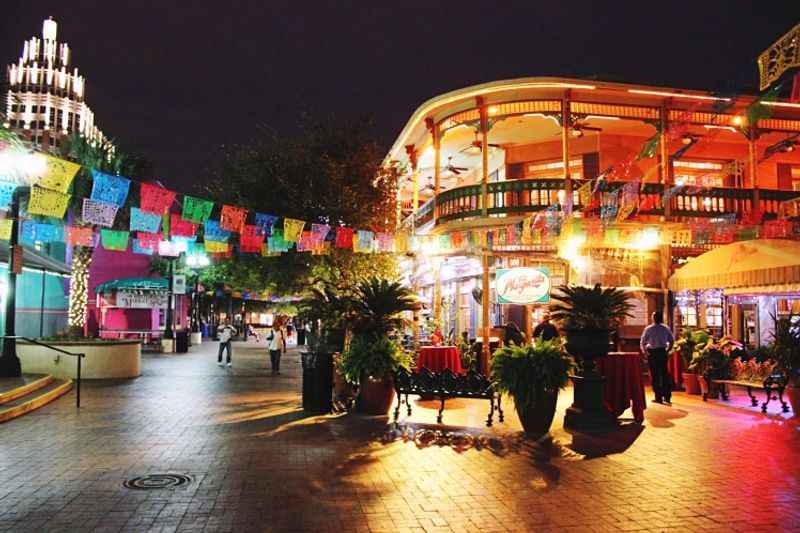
<point x="34" y="399"/>
<point x="13" y="388"/>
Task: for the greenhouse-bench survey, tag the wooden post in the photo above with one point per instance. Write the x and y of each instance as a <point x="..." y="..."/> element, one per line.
<point x="484" y="115"/>
<point x="437" y="293"/>
<point x="665" y="258"/>
<point x="753" y="164"/>
<point x="485" y="325"/>
<point x="437" y="163"/>
<point x="412" y="158"/>
<point x="565" y="123"/>
<point x="666" y="163"/>
<point x="528" y="323"/>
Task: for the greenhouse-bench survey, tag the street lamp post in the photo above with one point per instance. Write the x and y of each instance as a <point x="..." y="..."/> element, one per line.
<point x="9" y="362"/>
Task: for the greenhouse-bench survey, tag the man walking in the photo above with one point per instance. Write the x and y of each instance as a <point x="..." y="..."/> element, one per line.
<point x="656" y="341"/>
<point x="225" y="332"/>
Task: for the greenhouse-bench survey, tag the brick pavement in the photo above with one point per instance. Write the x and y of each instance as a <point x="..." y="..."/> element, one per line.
<point x="258" y="464"/>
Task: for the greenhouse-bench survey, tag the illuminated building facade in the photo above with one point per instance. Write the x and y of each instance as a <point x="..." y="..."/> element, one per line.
<point x="46" y="94"/>
<point x="475" y="165"/>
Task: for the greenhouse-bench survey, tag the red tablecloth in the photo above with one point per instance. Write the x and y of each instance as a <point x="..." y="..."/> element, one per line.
<point x="624" y="387"/>
<point x="436" y="358"/>
<point x="675" y="369"/>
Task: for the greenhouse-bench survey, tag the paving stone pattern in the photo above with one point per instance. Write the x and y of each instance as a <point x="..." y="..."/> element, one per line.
<point x="259" y="464"/>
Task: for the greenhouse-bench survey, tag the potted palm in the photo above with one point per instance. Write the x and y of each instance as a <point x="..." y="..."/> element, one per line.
<point x="685" y="345"/>
<point x="588" y="316"/>
<point x="372" y="357"/>
<point x="786" y="351"/>
<point x="532" y="375"/>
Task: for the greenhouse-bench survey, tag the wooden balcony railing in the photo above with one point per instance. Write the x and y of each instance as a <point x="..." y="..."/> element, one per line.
<point x="520" y="197"/>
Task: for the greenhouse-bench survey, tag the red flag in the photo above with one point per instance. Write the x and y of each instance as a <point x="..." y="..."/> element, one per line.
<point x="344" y="237"/>
<point x="155" y="199"/>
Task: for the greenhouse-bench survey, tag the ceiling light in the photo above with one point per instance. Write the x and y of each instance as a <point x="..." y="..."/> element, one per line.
<point x="600" y="117"/>
<point x="680" y="95"/>
<point x="577" y="132"/>
<point x="713" y="127"/>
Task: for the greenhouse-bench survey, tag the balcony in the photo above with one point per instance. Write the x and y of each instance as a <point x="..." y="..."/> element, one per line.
<point x="527" y="196"/>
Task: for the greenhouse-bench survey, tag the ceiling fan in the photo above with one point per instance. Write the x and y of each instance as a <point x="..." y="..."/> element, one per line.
<point x="577" y="128"/>
<point x="454" y="169"/>
<point x="475" y="146"/>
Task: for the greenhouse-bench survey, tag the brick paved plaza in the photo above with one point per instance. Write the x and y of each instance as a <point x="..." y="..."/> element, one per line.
<point x="257" y="464"/>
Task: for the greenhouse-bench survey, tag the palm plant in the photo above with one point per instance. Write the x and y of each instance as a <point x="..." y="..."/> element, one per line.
<point x="593" y="309"/>
<point x="331" y="313"/>
<point x="379" y="304"/>
<point x="786" y="348"/>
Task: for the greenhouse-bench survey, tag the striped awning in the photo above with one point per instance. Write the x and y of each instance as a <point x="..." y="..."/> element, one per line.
<point x="752" y="265"/>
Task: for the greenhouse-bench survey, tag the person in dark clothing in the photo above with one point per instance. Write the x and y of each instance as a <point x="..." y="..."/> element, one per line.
<point x="656" y="341"/>
<point x="545" y="329"/>
<point x="513" y="335"/>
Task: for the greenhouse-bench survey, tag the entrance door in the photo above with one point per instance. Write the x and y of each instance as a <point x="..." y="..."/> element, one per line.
<point x="750" y="325"/>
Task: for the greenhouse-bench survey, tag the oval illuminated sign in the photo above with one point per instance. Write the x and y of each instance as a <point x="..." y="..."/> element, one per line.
<point x="522" y="286"/>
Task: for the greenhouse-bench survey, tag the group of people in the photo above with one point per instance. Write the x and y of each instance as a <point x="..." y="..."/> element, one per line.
<point x="276" y="342"/>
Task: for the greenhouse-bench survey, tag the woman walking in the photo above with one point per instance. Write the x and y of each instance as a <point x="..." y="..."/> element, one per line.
<point x="277" y="345"/>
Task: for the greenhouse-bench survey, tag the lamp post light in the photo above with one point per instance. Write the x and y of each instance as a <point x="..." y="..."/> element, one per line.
<point x="9" y="362"/>
<point x="196" y="262"/>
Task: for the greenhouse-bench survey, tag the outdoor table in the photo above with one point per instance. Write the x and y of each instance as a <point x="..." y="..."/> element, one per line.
<point x="675" y="369"/>
<point x="437" y="358"/>
<point x="623" y="387"/>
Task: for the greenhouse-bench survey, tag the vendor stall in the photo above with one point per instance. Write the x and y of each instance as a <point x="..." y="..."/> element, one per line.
<point x="755" y="280"/>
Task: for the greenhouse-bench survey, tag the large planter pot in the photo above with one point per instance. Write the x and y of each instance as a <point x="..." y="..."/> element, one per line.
<point x="196" y="338"/>
<point x="104" y="360"/>
<point x="375" y="395"/>
<point x="588" y="345"/>
<point x="691" y="383"/>
<point x="168" y="345"/>
<point x="537" y="419"/>
<point x="793" y="393"/>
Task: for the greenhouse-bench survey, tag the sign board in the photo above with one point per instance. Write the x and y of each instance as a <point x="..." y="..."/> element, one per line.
<point x="179" y="284"/>
<point x="523" y="286"/>
<point x="142" y="299"/>
<point x="17" y="259"/>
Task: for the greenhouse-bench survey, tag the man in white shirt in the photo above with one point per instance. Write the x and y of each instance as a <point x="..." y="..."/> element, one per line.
<point x="225" y="332"/>
<point x="656" y="341"/>
<point x="277" y="345"/>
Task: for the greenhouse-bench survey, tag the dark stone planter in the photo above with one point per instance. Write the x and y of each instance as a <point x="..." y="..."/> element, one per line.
<point x="375" y="396"/>
<point x="588" y="411"/>
<point x="537" y="419"/>
<point x="691" y="383"/>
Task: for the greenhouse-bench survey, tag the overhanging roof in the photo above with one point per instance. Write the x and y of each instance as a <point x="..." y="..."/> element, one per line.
<point x="748" y="264"/>
<point x="36" y="260"/>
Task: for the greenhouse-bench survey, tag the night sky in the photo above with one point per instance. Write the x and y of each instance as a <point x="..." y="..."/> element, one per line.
<point x="175" y="81"/>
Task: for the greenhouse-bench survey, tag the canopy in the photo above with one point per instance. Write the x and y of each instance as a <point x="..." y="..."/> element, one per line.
<point x="756" y="265"/>
<point x="147" y="284"/>
<point x="36" y="260"/>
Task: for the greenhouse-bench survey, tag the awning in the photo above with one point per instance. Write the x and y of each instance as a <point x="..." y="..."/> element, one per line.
<point x="145" y="284"/>
<point x="748" y="264"/>
<point x="36" y="260"/>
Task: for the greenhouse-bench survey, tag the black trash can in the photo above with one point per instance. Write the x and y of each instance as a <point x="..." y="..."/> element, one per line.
<point x="317" y="382"/>
<point x="181" y="341"/>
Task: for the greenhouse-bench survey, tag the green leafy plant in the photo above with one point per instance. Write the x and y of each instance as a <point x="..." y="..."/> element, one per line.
<point x="687" y="341"/>
<point x="786" y="347"/>
<point x="710" y="357"/>
<point x="579" y="308"/>
<point x="378" y="304"/>
<point x="522" y="371"/>
<point x="371" y="356"/>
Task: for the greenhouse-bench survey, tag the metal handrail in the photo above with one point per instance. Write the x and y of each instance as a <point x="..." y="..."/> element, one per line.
<point x="59" y="350"/>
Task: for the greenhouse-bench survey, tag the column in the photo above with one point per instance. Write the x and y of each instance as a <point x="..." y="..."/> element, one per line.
<point x="412" y="158"/>
<point x="485" y="324"/>
<point x="666" y="163"/>
<point x="753" y="164"/>
<point x="437" y="162"/>
<point x="484" y="126"/>
<point x="565" y="123"/>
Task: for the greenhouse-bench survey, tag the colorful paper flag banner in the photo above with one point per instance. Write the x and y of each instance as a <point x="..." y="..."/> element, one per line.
<point x="365" y="238"/>
<point x="144" y="221"/>
<point x="76" y="236"/>
<point x="6" y="193"/>
<point x="251" y="239"/>
<point x="196" y="210"/>
<point x="344" y="237"/>
<point x="114" y="240"/>
<point x="155" y="199"/>
<point x="137" y="248"/>
<point x="277" y="243"/>
<point x="181" y="228"/>
<point x="148" y="240"/>
<point x="58" y="174"/>
<point x="109" y="189"/>
<point x="292" y="229"/>
<point x="98" y="213"/>
<point x="318" y="233"/>
<point x="216" y="247"/>
<point x="6" y="225"/>
<point x="232" y="218"/>
<point x="265" y="222"/>
<point x="168" y="249"/>
<point x="213" y="232"/>
<point x="47" y="202"/>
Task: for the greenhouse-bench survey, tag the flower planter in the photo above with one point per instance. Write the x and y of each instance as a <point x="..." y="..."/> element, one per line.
<point x="709" y="392"/>
<point x="691" y="383"/>
<point x="537" y="419"/>
<point x="588" y="345"/>
<point x="793" y="393"/>
<point x="375" y="396"/>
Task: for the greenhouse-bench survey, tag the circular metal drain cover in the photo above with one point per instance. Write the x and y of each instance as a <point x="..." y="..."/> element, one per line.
<point x="157" y="481"/>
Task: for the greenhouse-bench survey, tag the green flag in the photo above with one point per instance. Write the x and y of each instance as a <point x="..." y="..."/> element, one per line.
<point x="196" y="210"/>
<point x="114" y="240"/>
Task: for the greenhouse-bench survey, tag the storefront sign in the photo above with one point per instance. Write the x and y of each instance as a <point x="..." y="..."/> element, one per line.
<point x="179" y="284"/>
<point x="141" y="300"/>
<point x="523" y="286"/>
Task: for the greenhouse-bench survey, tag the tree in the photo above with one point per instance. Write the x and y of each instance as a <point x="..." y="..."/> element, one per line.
<point x="329" y="173"/>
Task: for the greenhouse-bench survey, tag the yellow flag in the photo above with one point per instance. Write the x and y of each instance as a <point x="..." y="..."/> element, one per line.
<point x="48" y="203"/>
<point x="401" y="243"/>
<point x="59" y="174"/>
<point x="216" y="247"/>
<point x="292" y="229"/>
<point x="526" y="236"/>
<point x="5" y="229"/>
<point x="585" y="194"/>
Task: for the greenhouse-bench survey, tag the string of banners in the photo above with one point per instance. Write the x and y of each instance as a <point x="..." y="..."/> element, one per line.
<point x="153" y="229"/>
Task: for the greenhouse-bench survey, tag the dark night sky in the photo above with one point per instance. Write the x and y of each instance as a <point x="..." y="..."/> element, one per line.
<point x="175" y="79"/>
